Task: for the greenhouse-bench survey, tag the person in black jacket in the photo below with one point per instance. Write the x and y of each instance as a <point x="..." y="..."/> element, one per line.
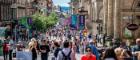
<point x="44" y="48"/>
<point x="57" y="49"/>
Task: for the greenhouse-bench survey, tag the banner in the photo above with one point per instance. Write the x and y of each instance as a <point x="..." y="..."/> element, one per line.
<point x="24" y="22"/>
<point x="81" y="22"/>
<point x="74" y="21"/>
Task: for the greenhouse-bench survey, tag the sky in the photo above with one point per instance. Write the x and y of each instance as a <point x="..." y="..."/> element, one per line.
<point x="61" y="2"/>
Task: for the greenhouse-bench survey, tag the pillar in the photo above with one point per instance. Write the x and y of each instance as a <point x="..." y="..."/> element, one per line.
<point x="110" y="18"/>
<point x="105" y="9"/>
<point x="116" y="18"/>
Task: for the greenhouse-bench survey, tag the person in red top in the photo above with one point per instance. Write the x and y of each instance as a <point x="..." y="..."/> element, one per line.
<point x="5" y="50"/>
<point x="88" y="55"/>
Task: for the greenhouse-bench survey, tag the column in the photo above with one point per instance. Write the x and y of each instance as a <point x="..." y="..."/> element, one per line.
<point x="110" y="18"/>
<point x="105" y="9"/>
<point x="116" y="18"/>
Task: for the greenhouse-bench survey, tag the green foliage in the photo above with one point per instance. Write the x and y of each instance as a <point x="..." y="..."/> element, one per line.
<point x="42" y="22"/>
<point x="128" y="34"/>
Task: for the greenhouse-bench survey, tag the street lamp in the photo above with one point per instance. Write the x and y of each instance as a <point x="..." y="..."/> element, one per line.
<point x="82" y="16"/>
<point x="14" y="17"/>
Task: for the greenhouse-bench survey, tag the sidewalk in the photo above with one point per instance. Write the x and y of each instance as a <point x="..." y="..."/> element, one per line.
<point x="1" y="58"/>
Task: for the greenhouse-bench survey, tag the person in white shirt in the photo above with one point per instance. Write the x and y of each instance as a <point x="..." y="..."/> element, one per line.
<point x="11" y="47"/>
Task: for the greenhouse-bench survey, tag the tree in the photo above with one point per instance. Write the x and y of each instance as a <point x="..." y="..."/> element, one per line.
<point x="42" y="22"/>
<point x="37" y="22"/>
<point x="52" y="19"/>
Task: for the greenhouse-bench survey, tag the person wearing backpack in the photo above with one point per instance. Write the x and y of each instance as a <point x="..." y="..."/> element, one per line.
<point x="57" y="49"/>
<point x="65" y="53"/>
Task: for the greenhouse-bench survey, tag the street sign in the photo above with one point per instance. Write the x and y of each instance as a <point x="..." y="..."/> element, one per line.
<point x="132" y="27"/>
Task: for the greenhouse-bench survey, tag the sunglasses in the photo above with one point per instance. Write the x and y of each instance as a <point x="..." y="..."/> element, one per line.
<point x="88" y="50"/>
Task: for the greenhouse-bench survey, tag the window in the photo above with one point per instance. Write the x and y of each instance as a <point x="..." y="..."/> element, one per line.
<point x="138" y="5"/>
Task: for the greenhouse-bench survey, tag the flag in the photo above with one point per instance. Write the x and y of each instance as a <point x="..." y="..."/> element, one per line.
<point x="81" y="22"/>
<point x="23" y="21"/>
<point x="74" y="21"/>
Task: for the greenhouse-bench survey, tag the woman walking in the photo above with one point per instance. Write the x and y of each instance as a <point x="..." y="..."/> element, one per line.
<point x="5" y="50"/>
<point x="33" y="48"/>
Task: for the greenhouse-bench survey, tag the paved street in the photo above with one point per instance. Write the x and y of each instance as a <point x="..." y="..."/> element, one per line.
<point x="78" y="56"/>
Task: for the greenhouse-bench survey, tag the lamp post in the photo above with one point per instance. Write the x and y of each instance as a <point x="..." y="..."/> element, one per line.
<point x="14" y="17"/>
<point x="82" y="17"/>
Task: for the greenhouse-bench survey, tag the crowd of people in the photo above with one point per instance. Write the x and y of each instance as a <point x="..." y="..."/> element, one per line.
<point x="67" y="48"/>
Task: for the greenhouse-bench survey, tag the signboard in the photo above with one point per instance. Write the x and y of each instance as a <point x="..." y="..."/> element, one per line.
<point x="81" y="22"/>
<point x="132" y="27"/>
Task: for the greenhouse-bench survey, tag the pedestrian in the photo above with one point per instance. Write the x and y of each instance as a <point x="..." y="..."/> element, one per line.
<point x="89" y="55"/>
<point x="33" y="49"/>
<point x="109" y="54"/>
<point x="126" y="55"/>
<point x="94" y="49"/>
<point x="57" y="49"/>
<point x="84" y="44"/>
<point x="136" y="49"/>
<point x="65" y="53"/>
<point x="73" y="50"/>
<point x="11" y="47"/>
<point x="44" y="48"/>
<point x="5" y="50"/>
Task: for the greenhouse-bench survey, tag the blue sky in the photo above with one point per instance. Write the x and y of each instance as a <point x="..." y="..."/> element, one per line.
<point x="61" y="2"/>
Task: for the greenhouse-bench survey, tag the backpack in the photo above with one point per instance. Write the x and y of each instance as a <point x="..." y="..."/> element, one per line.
<point x="56" y="52"/>
<point x="66" y="57"/>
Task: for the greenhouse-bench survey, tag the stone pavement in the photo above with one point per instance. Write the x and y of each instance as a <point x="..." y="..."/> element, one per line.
<point x="78" y="57"/>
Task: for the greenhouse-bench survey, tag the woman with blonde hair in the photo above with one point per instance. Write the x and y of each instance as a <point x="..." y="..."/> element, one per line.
<point x="33" y="48"/>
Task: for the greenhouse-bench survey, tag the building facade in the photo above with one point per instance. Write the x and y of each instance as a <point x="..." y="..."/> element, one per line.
<point x="112" y="17"/>
<point x="5" y="10"/>
<point x="118" y="15"/>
